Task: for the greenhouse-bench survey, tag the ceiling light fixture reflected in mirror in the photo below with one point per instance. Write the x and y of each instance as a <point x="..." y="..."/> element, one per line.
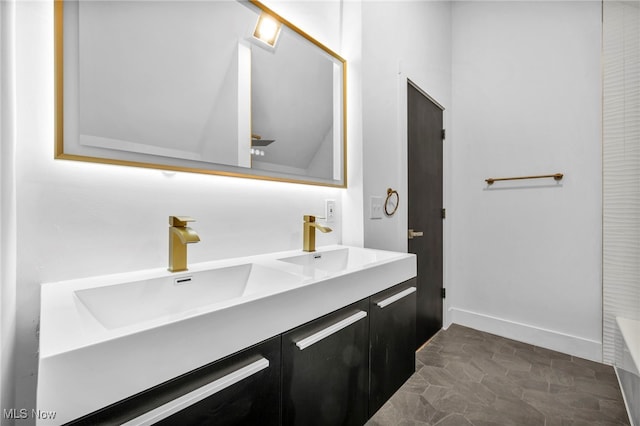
<point x="267" y="29"/>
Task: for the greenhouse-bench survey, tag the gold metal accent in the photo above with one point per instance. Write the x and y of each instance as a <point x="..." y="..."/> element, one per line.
<point x="179" y="236"/>
<point x="309" y="232"/>
<point x="391" y="193"/>
<point x="59" y="153"/>
<point x="58" y="23"/>
<point x="413" y="234"/>
<point x="557" y="176"/>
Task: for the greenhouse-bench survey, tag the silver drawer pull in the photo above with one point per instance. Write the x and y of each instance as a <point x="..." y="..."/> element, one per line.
<point x="178" y="404"/>
<point x="396" y="297"/>
<point x="316" y="337"/>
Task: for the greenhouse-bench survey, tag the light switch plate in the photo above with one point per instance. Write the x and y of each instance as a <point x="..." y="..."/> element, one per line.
<point x="375" y="207"/>
<point x="330" y="210"/>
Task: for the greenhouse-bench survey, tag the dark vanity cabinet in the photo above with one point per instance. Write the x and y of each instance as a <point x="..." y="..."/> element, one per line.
<point x="252" y="400"/>
<point x="392" y="318"/>
<point x="338" y="369"/>
<point x="242" y="389"/>
<point x="325" y="369"/>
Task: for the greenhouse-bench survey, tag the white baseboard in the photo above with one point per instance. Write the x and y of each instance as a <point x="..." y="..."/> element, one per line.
<point x="550" y="339"/>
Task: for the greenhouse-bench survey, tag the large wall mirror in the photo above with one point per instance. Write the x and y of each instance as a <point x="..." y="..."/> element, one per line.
<point x="186" y="85"/>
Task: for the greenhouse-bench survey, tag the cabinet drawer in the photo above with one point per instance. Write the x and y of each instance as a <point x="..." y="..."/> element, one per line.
<point x="325" y="369"/>
<point x="242" y="389"/>
<point x="393" y="333"/>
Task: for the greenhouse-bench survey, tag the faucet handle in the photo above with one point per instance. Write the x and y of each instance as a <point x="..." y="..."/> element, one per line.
<point x="180" y="220"/>
<point x="311" y="218"/>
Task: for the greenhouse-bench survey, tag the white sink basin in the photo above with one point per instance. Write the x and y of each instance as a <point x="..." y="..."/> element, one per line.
<point x="130" y="303"/>
<point x="337" y="260"/>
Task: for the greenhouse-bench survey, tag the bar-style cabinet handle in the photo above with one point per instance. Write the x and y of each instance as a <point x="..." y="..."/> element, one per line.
<point x="389" y="300"/>
<point x="195" y="396"/>
<point x="334" y="328"/>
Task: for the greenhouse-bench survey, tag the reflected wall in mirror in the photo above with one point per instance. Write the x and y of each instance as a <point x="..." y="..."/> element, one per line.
<point x="184" y="85"/>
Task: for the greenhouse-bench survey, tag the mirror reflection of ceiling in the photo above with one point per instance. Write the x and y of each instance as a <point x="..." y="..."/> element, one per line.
<point x="161" y="73"/>
<point x="163" y="77"/>
<point x="279" y="111"/>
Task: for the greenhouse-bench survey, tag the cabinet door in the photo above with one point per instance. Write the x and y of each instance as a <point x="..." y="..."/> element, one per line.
<point x="242" y="389"/>
<point x="325" y="369"/>
<point x="393" y="335"/>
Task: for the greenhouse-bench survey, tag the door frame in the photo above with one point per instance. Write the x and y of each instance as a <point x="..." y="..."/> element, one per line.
<point x="408" y="77"/>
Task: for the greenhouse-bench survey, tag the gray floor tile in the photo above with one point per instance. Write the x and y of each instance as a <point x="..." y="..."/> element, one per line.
<point x="468" y="377"/>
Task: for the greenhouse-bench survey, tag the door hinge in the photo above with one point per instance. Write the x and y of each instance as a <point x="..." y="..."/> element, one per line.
<point x="444" y="213"/>
<point x="444" y="293"/>
<point x="444" y="134"/>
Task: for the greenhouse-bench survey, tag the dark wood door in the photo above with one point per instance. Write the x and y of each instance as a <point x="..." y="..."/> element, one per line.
<point x="425" y="139"/>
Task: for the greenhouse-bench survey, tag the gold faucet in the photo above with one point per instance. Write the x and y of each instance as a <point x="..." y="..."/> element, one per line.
<point x="179" y="236"/>
<point x="309" y="232"/>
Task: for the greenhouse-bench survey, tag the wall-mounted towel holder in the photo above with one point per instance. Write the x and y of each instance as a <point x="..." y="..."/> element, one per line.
<point x="392" y="201"/>
<point x="557" y="177"/>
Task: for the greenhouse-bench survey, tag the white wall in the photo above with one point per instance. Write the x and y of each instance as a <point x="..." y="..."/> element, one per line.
<point x="7" y="207"/>
<point x="526" y="260"/>
<point x="400" y="40"/>
<point x="80" y="219"/>
<point x="521" y="90"/>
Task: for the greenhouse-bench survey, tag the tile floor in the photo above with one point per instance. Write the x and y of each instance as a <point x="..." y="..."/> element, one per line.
<point x="468" y="377"/>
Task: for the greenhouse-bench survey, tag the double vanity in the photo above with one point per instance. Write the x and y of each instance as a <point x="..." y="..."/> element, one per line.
<point x="283" y="338"/>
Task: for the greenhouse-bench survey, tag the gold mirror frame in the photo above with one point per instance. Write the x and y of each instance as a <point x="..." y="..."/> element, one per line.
<point x="59" y="152"/>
